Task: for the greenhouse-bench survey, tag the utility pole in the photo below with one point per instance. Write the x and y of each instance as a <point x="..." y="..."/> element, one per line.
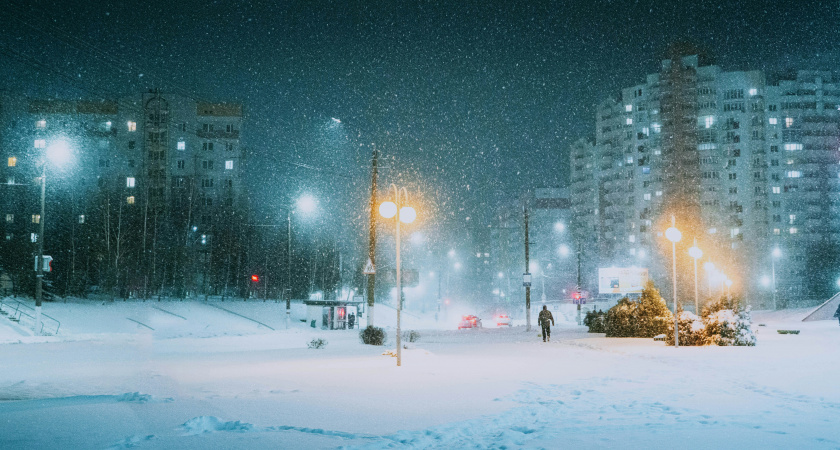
<point x="577" y="286"/>
<point x="527" y="271"/>
<point x="371" y="281"/>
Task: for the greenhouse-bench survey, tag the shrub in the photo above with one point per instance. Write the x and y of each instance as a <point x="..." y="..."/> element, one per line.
<point x="652" y="314"/>
<point x="373" y="335"/>
<point x="692" y="329"/>
<point x="595" y="320"/>
<point x="411" y="336"/>
<point x="620" y="321"/>
<point x="317" y="343"/>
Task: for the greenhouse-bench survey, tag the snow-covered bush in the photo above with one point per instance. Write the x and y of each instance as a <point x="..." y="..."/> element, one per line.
<point x="595" y="320"/>
<point x="692" y="329"/>
<point x="620" y="320"/>
<point x="652" y="314"/>
<point x="411" y="336"/>
<point x="317" y="343"/>
<point x="646" y="317"/>
<point x="373" y="336"/>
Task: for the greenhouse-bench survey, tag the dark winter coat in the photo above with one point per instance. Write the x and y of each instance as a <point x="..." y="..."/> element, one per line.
<point x="837" y="313"/>
<point x="544" y="317"/>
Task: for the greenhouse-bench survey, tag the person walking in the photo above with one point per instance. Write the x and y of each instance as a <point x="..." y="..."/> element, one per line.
<point x="543" y="320"/>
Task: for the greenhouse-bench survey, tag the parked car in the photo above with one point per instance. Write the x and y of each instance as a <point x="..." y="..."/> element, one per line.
<point x="502" y="320"/>
<point x="469" y="321"/>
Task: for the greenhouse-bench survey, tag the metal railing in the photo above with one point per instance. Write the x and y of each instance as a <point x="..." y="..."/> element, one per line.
<point x="16" y="311"/>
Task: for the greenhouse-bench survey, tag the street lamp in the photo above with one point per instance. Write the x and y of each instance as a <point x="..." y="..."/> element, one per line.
<point x="404" y="214"/>
<point x="695" y="253"/>
<point x="674" y="235"/>
<point x="58" y="153"/>
<point x="776" y="253"/>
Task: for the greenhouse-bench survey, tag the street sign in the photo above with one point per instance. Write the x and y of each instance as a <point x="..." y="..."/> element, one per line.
<point x="526" y="279"/>
<point x="579" y="301"/>
<point x="47" y="267"/>
<point x="369" y="269"/>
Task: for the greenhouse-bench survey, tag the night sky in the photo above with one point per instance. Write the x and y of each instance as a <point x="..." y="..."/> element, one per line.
<point x="463" y="98"/>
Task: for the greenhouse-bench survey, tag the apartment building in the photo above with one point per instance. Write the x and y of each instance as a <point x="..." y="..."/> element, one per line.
<point x="148" y="199"/>
<point x="745" y="163"/>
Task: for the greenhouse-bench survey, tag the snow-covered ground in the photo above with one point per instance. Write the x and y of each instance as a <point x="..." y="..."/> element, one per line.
<point x="197" y="376"/>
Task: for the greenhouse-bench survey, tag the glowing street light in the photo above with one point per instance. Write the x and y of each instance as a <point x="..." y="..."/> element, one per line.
<point x="695" y="253"/>
<point x="674" y="235"/>
<point x="59" y="154"/>
<point x="405" y="214"/>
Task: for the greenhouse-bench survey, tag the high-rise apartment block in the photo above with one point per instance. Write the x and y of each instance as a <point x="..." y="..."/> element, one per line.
<point x="150" y="198"/>
<point x="744" y="162"/>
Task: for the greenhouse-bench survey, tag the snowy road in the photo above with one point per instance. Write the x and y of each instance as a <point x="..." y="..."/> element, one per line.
<point x="489" y="388"/>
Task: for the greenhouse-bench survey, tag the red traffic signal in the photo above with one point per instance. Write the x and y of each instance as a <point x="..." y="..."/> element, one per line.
<point x="255" y="278"/>
<point x="576" y="295"/>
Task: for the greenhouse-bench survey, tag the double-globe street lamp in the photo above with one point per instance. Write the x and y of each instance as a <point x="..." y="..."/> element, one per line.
<point x="674" y="235"/>
<point x="58" y="153"/>
<point x="405" y="214"/>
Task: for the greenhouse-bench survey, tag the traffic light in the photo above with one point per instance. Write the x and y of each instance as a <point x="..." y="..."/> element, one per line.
<point x="255" y="278"/>
<point x="576" y="295"/>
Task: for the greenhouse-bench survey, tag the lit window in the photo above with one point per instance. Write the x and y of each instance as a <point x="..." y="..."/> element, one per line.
<point x="10" y="180"/>
<point x="628" y="108"/>
<point x="777" y="190"/>
<point x="108" y="125"/>
<point x="182" y="145"/>
<point x="712" y="230"/>
<point x="41" y="124"/>
<point x="753" y="91"/>
<point x="130" y="200"/>
<point x="656" y="127"/>
<point x="793" y="147"/>
<point x="229" y="164"/>
<point x="10" y="218"/>
<point x="40" y="143"/>
<point x="659" y="193"/>
<point x="793" y="174"/>
<point x="788" y="122"/>
<point x="734" y="232"/>
<point x="36" y="218"/>
<point x="709" y="121"/>
<point x="777" y="231"/>
<point x="129" y="182"/>
<point x="631" y="238"/>
<point x="793" y="230"/>
<point x="81" y="218"/>
<point x="12" y="161"/>
<point x="629" y="121"/>
<point x="33" y="237"/>
<point x="647" y="196"/>
<point x="629" y="160"/>
<point x="132" y="126"/>
<point x="792" y="218"/>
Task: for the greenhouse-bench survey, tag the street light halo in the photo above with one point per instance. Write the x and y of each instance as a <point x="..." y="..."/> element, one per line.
<point x="407" y="214"/>
<point x="388" y="209"/>
<point x="673" y="234"/>
<point x="695" y="252"/>
<point x="59" y="152"/>
<point x="306" y="204"/>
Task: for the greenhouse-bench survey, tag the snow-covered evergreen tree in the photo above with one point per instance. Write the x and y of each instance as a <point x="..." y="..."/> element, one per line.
<point x="652" y="314"/>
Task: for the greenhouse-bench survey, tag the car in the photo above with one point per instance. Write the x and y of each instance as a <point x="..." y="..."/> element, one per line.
<point x="502" y="320"/>
<point x="469" y="321"/>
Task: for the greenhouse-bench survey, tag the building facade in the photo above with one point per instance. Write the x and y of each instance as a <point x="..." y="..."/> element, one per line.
<point x="149" y="200"/>
<point x="746" y="164"/>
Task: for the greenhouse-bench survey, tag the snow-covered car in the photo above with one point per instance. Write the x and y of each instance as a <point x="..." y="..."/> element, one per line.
<point x="469" y="321"/>
<point x="502" y="320"/>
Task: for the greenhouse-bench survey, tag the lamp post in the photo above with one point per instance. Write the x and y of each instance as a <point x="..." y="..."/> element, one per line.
<point x="674" y="235"/>
<point x="776" y="253"/>
<point x="404" y="214"/>
<point x="58" y="153"/>
<point x="695" y="253"/>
